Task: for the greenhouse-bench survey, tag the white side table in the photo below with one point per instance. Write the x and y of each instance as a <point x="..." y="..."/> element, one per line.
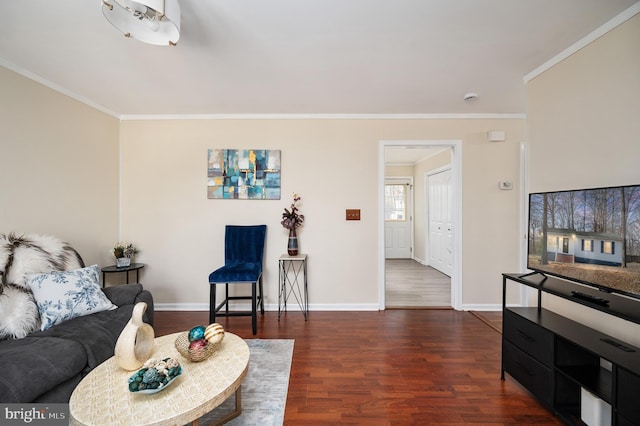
<point x="293" y="282"/>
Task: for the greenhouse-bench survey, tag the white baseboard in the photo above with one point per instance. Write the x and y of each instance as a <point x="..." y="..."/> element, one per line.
<point x="312" y="307"/>
<point x="420" y="261"/>
<point x="483" y="307"/>
<point x="269" y="307"/>
<point x="343" y="307"/>
<point x="181" y="307"/>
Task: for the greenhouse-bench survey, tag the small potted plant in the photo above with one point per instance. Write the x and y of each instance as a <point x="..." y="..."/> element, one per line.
<point x="123" y="252"/>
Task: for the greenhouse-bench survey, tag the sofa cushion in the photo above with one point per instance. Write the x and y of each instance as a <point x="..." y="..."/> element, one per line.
<point x="97" y="333"/>
<point x="123" y="294"/>
<point x="61" y="393"/>
<point x="64" y="295"/>
<point x="131" y="294"/>
<point x="33" y="365"/>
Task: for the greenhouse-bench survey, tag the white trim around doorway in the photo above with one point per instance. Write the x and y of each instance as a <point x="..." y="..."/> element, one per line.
<point x="456" y="173"/>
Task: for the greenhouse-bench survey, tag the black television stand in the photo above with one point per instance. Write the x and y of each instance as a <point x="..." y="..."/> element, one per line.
<point x="541" y="277"/>
<point x="557" y="359"/>
<point x="590" y="298"/>
<point x="533" y="274"/>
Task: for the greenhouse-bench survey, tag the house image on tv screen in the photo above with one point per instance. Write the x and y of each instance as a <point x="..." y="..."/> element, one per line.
<point x="590" y="235"/>
<point x="564" y="245"/>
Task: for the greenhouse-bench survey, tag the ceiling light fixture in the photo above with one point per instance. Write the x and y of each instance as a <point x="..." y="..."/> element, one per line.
<point x="150" y="21"/>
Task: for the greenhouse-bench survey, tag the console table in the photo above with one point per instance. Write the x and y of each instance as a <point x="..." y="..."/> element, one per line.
<point x="557" y="359"/>
<point x="293" y="281"/>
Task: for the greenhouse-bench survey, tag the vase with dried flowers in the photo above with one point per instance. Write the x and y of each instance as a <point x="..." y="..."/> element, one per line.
<point x="123" y="252"/>
<point x="291" y="220"/>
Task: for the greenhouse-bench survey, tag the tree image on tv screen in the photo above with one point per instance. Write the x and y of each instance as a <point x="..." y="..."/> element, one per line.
<point x="590" y="235"/>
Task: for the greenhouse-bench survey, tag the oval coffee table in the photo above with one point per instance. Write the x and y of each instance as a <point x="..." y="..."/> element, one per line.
<point x="103" y="397"/>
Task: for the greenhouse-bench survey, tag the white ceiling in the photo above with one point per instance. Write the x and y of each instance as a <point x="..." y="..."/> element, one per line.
<point x="301" y="56"/>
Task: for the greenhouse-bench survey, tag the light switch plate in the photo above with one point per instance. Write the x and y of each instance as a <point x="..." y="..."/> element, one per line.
<point x="353" y="214"/>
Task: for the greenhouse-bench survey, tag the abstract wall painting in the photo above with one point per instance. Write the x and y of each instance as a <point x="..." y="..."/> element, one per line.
<point x="247" y="174"/>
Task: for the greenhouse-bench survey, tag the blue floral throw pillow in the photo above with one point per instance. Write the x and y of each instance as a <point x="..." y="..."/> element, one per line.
<point x="64" y="295"/>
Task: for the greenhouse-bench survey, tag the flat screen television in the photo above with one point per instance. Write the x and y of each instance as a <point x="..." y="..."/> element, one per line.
<point x="590" y="236"/>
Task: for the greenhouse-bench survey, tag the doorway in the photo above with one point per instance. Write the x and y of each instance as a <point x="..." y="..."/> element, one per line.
<point x="454" y="147"/>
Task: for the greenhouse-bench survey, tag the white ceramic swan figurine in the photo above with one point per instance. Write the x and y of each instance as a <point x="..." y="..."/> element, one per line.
<point x="135" y="343"/>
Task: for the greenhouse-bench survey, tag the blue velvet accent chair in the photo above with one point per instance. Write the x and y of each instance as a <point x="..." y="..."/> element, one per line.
<point x="243" y="255"/>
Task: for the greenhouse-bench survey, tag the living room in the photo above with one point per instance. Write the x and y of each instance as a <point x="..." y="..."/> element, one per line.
<point x="81" y="174"/>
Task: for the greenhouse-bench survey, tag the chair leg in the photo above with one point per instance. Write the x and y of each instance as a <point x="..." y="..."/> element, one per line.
<point x="254" y="319"/>
<point x="212" y="303"/>
<point x="226" y="295"/>
<point x="261" y="297"/>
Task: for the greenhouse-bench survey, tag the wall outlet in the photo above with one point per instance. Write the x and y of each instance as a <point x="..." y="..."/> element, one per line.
<point x="505" y="185"/>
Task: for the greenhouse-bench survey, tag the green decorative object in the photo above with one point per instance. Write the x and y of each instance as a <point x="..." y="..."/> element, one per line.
<point x="196" y="333"/>
<point x="155" y="376"/>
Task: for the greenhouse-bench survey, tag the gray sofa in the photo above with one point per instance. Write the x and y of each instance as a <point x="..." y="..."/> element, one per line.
<point x="47" y="365"/>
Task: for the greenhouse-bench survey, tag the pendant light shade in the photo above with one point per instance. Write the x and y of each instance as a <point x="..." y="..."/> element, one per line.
<point x="150" y="21"/>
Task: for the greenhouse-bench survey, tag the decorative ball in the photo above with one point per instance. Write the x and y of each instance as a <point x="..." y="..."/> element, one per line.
<point x="197" y="350"/>
<point x="150" y="376"/>
<point x="214" y="333"/>
<point x="196" y="333"/>
<point x="198" y="344"/>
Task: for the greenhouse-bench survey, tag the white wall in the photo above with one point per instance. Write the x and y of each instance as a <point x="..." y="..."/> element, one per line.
<point x="66" y="162"/>
<point x="59" y="173"/>
<point x="333" y="165"/>
<point x="584" y="122"/>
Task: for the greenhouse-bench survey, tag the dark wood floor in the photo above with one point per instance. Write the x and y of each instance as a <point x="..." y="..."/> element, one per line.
<point x="394" y="367"/>
<point x="492" y="319"/>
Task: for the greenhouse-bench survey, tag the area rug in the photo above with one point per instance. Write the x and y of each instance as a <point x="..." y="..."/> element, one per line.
<point x="264" y="389"/>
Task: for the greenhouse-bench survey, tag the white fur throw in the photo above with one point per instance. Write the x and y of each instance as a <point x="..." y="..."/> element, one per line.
<point x="20" y="257"/>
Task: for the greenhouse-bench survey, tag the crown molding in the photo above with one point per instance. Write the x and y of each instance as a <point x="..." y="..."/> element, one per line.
<point x="590" y="38"/>
<point x="55" y="87"/>
<point x="445" y="116"/>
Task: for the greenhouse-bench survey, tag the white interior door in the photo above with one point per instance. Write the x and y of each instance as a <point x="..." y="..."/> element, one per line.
<point x="440" y="221"/>
<point x="398" y="230"/>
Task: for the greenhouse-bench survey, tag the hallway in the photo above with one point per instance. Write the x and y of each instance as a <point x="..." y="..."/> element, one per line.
<point x="409" y="284"/>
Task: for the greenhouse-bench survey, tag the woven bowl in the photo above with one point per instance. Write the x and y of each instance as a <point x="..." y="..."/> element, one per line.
<point x="197" y="354"/>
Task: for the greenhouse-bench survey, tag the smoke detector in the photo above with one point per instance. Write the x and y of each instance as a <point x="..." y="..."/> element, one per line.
<point x="470" y="96"/>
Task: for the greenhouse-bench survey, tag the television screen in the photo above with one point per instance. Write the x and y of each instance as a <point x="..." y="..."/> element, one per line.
<point x="591" y="236"/>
